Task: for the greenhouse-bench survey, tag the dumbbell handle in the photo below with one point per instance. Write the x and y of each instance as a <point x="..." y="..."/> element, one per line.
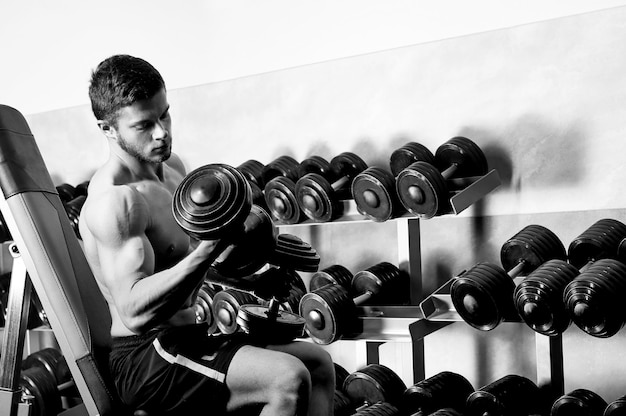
<point x="515" y="271"/>
<point x="449" y="171"/>
<point x="273" y="309"/>
<point x="340" y="183"/>
<point x="362" y="298"/>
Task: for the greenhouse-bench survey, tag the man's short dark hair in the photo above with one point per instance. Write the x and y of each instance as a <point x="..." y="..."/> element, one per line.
<point x="120" y="81"/>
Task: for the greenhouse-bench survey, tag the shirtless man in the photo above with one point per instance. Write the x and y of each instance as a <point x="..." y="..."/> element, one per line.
<point x="149" y="271"/>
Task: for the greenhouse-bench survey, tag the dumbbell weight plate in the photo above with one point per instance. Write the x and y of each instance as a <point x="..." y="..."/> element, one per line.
<point x="281" y="328"/>
<point x="281" y="166"/>
<point x="329" y="313"/>
<point x="422" y="190"/>
<point x="374" y="193"/>
<point x="226" y="305"/>
<point x="511" y="395"/>
<point x="482" y="295"/>
<point x="280" y="198"/>
<point x="38" y="383"/>
<point x="335" y="274"/>
<point x="205" y="311"/>
<point x="212" y="202"/>
<point x="51" y="360"/>
<point x="595" y="296"/>
<point x="465" y="154"/>
<point x="579" y="402"/>
<point x="444" y="389"/>
<point x="532" y="246"/>
<point x="385" y="281"/>
<point x="251" y="249"/>
<point x="292" y="252"/>
<point x="253" y="171"/>
<point x="600" y="240"/>
<point x="408" y="154"/>
<point x="319" y="198"/>
<point x="374" y="383"/>
<point x="539" y="297"/>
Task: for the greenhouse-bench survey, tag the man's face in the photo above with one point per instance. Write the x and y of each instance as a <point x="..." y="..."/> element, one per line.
<point x="144" y="129"/>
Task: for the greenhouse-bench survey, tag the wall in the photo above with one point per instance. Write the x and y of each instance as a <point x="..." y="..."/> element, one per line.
<point x="49" y="48"/>
<point x="543" y="100"/>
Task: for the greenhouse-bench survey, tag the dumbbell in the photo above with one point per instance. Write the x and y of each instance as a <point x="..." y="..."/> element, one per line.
<point x="320" y="197"/>
<point x="343" y="405"/>
<point x="204" y="306"/>
<point x="422" y="187"/>
<point x="43" y="378"/>
<point x="483" y="295"/>
<point x="73" y="208"/>
<point x="511" y="395"/>
<point x="374" y="189"/>
<point x="294" y="253"/>
<point x="82" y="188"/>
<point x="593" y="299"/>
<point x="214" y="202"/>
<point x="226" y="305"/>
<point x="616" y="408"/>
<point x="335" y="274"/>
<point x="282" y="283"/>
<point x="66" y="192"/>
<point x="539" y="297"/>
<point x="443" y="390"/>
<point x="330" y="311"/>
<point x="374" y="383"/>
<point x="579" y="402"/>
<point x="280" y="192"/>
<point x="252" y="170"/>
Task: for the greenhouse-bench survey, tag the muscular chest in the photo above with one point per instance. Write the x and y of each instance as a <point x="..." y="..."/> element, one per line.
<point x="168" y="240"/>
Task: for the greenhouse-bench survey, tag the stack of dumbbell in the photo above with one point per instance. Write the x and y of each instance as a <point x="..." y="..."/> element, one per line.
<point x="417" y="182"/>
<point x="584" y="285"/>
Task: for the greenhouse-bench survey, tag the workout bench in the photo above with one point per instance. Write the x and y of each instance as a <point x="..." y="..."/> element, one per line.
<point x="47" y="256"/>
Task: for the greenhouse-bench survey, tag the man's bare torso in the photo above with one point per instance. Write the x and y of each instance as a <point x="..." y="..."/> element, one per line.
<point x="167" y="240"/>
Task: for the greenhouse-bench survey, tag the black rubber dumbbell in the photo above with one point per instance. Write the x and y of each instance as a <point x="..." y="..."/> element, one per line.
<point x="616" y="408"/>
<point x="594" y="298"/>
<point x="319" y="197"/>
<point x="511" y="395"/>
<point x="424" y="188"/>
<point x="204" y="306"/>
<point x="252" y="170"/>
<point x="374" y="383"/>
<point x="444" y="390"/>
<point x="374" y="189"/>
<point x="539" y="297"/>
<point x="335" y="274"/>
<point x="280" y="192"/>
<point x="215" y="202"/>
<point x="45" y="377"/>
<point x="579" y="402"/>
<point x="330" y="311"/>
<point x="483" y="295"/>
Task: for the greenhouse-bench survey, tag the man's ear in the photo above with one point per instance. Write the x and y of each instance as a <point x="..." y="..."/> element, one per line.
<point x="106" y="128"/>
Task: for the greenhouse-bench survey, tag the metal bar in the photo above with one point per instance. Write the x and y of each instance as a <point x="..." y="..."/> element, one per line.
<point x="476" y="190"/>
<point x="14" y="333"/>
<point x="550" y="363"/>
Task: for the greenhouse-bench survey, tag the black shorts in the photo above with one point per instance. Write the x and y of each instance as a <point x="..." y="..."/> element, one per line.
<point x="174" y="371"/>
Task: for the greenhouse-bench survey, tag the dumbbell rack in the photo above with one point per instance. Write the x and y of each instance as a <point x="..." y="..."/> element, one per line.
<point x="380" y="324"/>
<point x="438" y="307"/>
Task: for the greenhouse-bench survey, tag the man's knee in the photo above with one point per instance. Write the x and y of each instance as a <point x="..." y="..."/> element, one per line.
<point x="291" y="376"/>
